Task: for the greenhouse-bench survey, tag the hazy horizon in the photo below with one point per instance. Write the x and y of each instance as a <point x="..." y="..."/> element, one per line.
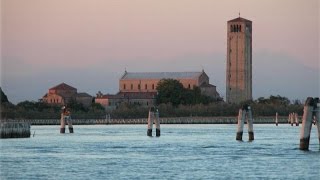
<point x="89" y="43"/>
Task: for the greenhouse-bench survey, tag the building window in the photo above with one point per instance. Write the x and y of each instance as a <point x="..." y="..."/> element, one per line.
<point x="152" y="86"/>
<point x="124" y="86"/>
<point x="189" y="86"/>
<point x="230" y="89"/>
<point x="139" y="86"/>
<point x="146" y="86"/>
<point x="131" y="86"/>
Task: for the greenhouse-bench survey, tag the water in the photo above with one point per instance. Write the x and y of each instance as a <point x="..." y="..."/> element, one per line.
<point x="182" y="152"/>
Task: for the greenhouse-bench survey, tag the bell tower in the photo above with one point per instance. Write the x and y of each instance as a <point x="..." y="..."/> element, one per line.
<point x="239" y="60"/>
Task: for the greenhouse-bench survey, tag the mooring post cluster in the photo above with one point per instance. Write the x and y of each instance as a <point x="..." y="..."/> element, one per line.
<point x="311" y="109"/>
<point x="153" y="118"/>
<point x="65" y="118"/>
<point x="293" y="119"/>
<point x="245" y="113"/>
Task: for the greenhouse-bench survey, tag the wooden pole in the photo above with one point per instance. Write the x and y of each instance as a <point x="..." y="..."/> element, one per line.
<point x="250" y="124"/>
<point x="317" y="117"/>
<point x="306" y="124"/>
<point x="150" y="122"/>
<point x="276" y="118"/>
<point x="70" y="124"/>
<point x="241" y="118"/>
<point x="289" y="118"/>
<point x="157" y="122"/>
<point x="62" y="124"/>
<point x="296" y="118"/>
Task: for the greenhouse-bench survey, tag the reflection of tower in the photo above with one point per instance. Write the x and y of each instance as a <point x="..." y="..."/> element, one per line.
<point x="239" y="61"/>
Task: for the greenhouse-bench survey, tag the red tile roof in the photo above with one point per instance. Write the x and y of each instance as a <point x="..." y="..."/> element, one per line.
<point x="130" y="95"/>
<point x="63" y="86"/>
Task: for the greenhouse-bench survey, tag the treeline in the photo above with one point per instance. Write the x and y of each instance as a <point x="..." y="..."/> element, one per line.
<point x="267" y="107"/>
<point x="40" y="110"/>
<point x="172" y="101"/>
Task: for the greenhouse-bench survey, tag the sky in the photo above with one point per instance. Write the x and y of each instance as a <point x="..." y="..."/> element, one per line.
<point x="88" y="44"/>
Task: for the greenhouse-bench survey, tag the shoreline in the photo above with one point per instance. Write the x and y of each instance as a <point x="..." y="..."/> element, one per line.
<point x="169" y="120"/>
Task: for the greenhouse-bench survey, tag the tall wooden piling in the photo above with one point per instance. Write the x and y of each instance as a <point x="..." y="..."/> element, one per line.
<point x="62" y="124"/>
<point x="291" y="118"/>
<point x="157" y="123"/>
<point x="306" y="123"/>
<point x="150" y="122"/>
<point x="250" y="124"/>
<point x="277" y="121"/>
<point x="296" y="119"/>
<point x="153" y="118"/>
<point x="317" y="117"/>
<point x="241" y="117"/>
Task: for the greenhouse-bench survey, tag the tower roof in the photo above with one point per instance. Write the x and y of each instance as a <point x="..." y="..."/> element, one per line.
<point x="239" y="19"/>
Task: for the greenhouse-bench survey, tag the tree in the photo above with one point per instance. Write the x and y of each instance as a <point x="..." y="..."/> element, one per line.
<point x="169" y="91"/>
<point x="3" y="97"/>
<point x="172" y="91"/>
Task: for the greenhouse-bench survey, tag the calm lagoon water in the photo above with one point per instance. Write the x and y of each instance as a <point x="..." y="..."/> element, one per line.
<point x="182" y="152"/>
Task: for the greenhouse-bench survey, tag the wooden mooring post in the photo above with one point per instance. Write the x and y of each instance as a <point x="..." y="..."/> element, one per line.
<point x="277" y="121"/>
<point x="15" y="130"/>
<point x="245" y="113"/>
<point x="153" y="118"/>
<point x="296" y="119"/>
<point x="311" y="108"/>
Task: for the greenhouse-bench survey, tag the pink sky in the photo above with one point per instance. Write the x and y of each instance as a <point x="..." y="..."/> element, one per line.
<point x="40" y="36"/>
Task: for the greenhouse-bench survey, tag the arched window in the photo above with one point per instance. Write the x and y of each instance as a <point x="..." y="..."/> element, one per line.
<point x="231" y="28"/>
<point x="139" y="86"/>
<point x="189" y="86"/>
<point x="131" y="86"/>
<point x="124" y="86"/>
<point x="145" y="86"/>
<point x="240" y="28"/>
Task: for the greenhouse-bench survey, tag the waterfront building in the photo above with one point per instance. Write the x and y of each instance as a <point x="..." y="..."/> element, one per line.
<point x="239" y="60"/>
<point x="63" y="93"/>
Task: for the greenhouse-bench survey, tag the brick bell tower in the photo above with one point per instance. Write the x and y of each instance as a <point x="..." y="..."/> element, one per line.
<point x="239" y="60"/>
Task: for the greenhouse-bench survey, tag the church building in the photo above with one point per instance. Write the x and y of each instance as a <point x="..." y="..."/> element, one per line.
<point x="141" y="87"/>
